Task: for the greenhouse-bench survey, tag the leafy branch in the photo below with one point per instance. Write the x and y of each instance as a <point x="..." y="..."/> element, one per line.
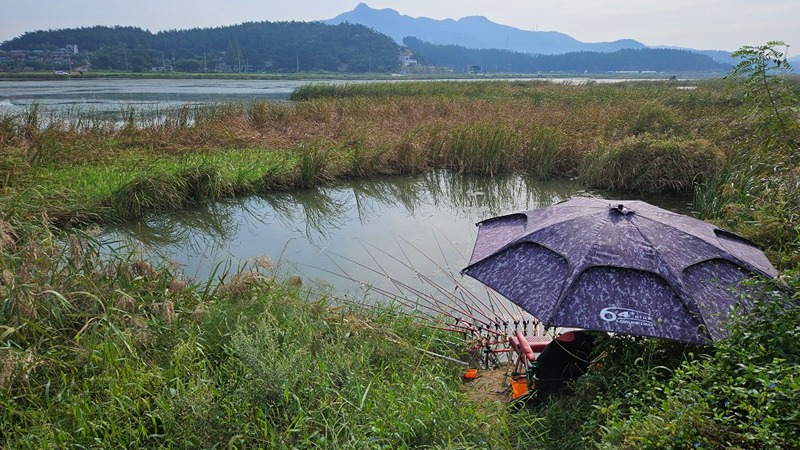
<point x="762" y="72"/>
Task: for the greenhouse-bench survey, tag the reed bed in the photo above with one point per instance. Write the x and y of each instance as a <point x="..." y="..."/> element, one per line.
<point x="355" y="130"/>
<point x="651" y="164"/>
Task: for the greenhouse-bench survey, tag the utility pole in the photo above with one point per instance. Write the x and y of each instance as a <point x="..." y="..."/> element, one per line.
<point x="297" y="55"/>
<point x="125" y="54"/>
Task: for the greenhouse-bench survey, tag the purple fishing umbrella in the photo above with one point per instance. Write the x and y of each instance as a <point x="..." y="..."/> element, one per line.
<point x="619" y="266"/>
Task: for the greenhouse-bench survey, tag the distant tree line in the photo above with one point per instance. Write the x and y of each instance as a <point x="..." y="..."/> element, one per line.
<point x="249" y="47"/>
<point x="493" y="60"/>
<point x="314" y="46"/>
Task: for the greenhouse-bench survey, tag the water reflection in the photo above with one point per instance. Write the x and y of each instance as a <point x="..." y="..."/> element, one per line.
<point x="356" y="227"/>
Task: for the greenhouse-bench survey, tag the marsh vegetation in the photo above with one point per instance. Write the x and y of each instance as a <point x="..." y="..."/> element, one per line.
<point x="119" y="353"/>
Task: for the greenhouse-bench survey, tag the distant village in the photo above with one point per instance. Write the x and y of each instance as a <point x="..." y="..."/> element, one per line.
<point x="72" y="60"/>
<point x="62" y="60"/>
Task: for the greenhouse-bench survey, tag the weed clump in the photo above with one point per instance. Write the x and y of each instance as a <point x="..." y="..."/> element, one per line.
<point x="169" y="192"/>
<point x="651" y="164"/>
<point x="655" y="119"/>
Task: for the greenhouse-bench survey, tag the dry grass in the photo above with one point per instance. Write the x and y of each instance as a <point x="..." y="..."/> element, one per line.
<point x="8" y="236"/>
<point x="179" y="157"/>
<point x="387" y="122"/>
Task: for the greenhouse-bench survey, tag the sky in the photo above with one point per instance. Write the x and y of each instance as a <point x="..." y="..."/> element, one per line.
<point x="697" y="24"/>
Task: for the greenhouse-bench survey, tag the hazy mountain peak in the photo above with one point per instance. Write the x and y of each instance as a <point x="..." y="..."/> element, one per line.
<point x="472" y="32"/>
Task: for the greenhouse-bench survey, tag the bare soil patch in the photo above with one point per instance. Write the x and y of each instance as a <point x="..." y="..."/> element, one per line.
<point x="490" y="386"/>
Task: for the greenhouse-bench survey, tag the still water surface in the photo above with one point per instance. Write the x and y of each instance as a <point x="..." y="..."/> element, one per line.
<point x="119" y="94"/>
<point x="110" y="95"/>
<point x="409" y="228"/>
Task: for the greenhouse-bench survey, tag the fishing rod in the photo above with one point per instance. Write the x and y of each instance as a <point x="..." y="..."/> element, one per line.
<point x="427" y="298"/>
<point x="459" y="321"/>
<point x="429" y="281"/>
<point x="389" y="295"/>
<point x="483" y="307"/>
<point x="517" y="320"/>
<point x="446" y="273"/>
<point x="476" y="329"/>
<point x="464" y="330"/>
<point x="426" y="303"/>
<point x="345" y="275"/>
<point x="480" y="333"/>
<point x="490" y="292"/>
<point x="481" y="326"/>
<point x="467" y="331"/>
<point x="474" y="298"/>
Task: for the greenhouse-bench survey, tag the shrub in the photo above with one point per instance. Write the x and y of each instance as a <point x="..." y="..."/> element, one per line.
<point x="745" y="396"/>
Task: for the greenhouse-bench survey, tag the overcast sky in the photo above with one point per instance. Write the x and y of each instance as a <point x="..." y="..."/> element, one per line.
<point x="698" y="24"/>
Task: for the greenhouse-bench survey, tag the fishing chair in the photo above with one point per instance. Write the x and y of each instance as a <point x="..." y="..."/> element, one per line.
<point x="563" y="359"/>
<point x="524" y="351"/>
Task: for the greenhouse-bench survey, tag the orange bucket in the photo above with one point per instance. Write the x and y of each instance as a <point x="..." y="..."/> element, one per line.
<point x="519" y="386"/>
<point x="471" y="374"/>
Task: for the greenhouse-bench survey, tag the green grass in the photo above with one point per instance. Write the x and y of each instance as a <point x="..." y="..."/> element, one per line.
<point x="112" y="352"/>
<point x="118" y="353"/>
<point x="481" y="149"/>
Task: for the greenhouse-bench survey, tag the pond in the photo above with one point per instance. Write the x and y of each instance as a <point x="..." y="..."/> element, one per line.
<point x="395" y="235"/>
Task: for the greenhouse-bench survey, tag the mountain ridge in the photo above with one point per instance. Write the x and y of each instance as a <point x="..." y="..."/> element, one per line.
<point x="473" y="32"/>
<point x="478" y="32"/>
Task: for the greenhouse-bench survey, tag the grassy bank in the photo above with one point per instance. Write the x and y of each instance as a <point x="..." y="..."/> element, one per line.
<point x="122" y="354"/>
<point x="117" y="353"/>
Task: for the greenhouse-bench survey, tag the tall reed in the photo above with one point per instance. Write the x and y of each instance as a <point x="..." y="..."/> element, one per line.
<point x="542" y="154"/>
<point x="651" y="164"/>
<point x="480" y="148"/>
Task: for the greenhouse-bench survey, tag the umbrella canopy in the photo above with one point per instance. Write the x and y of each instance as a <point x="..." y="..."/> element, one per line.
<point x="618" y="266"/>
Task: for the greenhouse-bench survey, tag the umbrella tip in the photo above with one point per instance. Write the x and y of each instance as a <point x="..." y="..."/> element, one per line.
<point x="622" y="209"/>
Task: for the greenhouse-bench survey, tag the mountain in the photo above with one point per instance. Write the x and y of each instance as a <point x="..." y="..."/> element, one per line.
<point x="473" y="32"/>
<point x="720" y="56"/>
<point x="629" y="60"/>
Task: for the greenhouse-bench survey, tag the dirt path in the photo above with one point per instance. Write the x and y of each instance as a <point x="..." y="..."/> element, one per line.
<point x="489" y="386"/>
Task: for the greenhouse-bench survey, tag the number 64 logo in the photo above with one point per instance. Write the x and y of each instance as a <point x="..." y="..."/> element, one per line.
<point x="625" y="315"/>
